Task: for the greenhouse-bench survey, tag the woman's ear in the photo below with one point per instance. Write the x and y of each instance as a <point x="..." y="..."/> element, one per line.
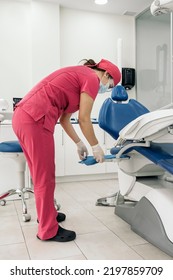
<point x="106" y="74"/>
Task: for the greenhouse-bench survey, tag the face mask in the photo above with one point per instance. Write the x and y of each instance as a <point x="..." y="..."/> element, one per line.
<point x="103" y="88"/>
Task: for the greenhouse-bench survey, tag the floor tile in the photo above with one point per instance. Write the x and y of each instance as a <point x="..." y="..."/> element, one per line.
<point x="14" y="252"/>
<point x="150" y="252"/>
<point x="8" y="209"/>
<point x="100" y="233"/>
<point x="42" y="250"/>
<point x="10" y="231"/>
<point x="83" y="223"/>
<point x="105" y="246"/>
<point x="124" y="232"/>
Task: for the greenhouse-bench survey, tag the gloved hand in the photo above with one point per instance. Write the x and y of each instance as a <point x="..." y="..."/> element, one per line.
<point x="82" y="150"/>
<point x="98" y="153"/>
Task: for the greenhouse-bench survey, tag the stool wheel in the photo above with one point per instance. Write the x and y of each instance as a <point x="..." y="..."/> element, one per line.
<point x="3" y="202"/>
<point x="57" y="206"/>
<point x="26" y="217"/>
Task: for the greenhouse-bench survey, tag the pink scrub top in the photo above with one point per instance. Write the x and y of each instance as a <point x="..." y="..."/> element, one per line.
<point x="58" y="93"/>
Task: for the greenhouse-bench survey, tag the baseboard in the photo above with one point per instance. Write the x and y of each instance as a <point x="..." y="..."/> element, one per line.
<point x="88" y="177"/>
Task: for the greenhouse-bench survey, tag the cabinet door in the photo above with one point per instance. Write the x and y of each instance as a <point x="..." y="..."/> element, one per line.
<point x="72" y="165"/>
<point x="59" y="150"/>
<point x="7" y="133"/>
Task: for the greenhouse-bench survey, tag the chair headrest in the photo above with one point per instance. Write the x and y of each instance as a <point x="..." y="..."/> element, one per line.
<point x="119" y="93"/>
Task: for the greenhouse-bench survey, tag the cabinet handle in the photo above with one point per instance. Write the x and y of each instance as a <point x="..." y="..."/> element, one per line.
<point x="104" y="138"/>
<point x="62" y="140"/>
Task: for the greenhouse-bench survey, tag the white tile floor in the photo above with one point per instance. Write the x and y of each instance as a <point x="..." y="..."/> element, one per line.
<point x="100" y="233"/>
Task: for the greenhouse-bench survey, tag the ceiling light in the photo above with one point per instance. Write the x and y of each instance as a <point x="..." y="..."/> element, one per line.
<point x="101" y="2"/>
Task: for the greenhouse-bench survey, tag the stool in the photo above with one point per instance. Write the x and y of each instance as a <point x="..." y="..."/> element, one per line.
<point x="13" y="150"/>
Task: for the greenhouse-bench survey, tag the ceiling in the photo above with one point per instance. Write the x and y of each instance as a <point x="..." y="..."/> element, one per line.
<point x="118" y="7"/>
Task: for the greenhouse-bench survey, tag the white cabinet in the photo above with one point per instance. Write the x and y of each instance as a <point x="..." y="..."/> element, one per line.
<point x="59" y="135"/>
<point x="7" y="133"/>
<point x="66" y="156"/>
<point x="72" y="165"/>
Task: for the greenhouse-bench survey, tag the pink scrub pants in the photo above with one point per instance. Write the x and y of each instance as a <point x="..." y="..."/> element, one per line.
<point x="38" y="146"/>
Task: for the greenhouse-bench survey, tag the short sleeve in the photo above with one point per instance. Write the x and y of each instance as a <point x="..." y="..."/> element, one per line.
<point x="91" y="86"/>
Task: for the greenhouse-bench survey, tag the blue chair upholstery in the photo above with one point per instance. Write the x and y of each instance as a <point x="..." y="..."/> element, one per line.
<point x="159" y="153"/>
<point x="115" y="115"/>
<point x="10" y="147"/>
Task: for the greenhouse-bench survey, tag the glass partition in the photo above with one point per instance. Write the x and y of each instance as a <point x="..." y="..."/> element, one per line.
<point x="154" y="60"/>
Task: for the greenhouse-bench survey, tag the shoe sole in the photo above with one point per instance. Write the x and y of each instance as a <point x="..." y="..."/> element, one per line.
<point x="64" y="236"/>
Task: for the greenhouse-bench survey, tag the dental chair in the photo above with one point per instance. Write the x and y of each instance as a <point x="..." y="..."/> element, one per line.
<point x="13" y="150"/>
<point x="144" y="152"/>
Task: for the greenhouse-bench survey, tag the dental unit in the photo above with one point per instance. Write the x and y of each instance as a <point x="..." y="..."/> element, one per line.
<point x="143" y="151"/>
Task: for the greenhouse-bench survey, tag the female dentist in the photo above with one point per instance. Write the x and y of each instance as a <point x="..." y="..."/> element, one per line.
<point x="54" y="98"/>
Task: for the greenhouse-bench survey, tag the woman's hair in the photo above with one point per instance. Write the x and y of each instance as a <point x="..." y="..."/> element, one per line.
<point x="92" y="64"/>
<point x="89" y="62"/>
<point x="112" y="71"/>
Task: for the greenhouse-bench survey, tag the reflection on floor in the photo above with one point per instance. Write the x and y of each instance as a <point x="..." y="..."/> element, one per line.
<point x="100" y="234"/>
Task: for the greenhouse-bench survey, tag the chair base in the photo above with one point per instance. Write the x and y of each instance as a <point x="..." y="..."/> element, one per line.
<point x="21" y="193"/>
<point x="107" y="200"/>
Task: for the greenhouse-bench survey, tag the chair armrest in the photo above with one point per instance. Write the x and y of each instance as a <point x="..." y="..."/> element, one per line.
<point x="147" y="125"/>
